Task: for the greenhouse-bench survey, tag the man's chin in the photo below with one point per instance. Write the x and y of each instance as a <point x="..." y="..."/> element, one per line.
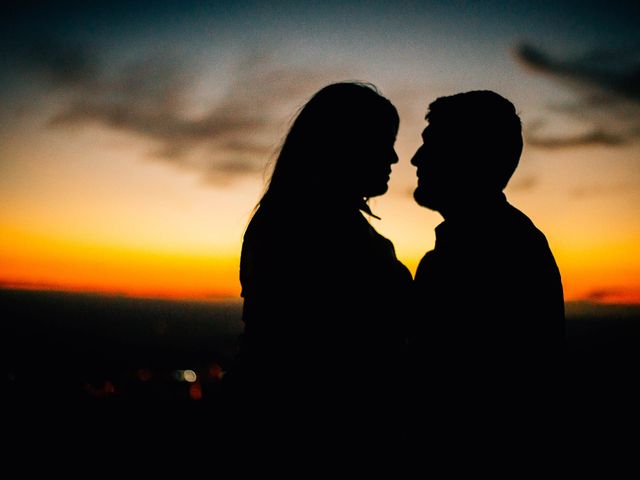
<point x="423" y="200"/>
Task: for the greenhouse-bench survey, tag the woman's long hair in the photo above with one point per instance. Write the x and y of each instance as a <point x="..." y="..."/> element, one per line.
<point x="319" y="155"/>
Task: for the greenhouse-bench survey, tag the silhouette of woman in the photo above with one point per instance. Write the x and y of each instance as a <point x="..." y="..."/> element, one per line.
<point x="323" y="291"/>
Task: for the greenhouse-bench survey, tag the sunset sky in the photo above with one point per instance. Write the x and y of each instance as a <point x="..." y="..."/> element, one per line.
<point x="135" y="136"/>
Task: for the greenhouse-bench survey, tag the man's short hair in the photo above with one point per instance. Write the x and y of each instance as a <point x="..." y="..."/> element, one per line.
<point x="485" y="127"/>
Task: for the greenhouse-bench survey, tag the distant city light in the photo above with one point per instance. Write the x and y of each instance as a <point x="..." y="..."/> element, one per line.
<point x="195" y="391"/>
<point x="144" y="374"/>
<point x="216" y="372"/>
<point x="186" y="376"/>
<point x="100" y="391"/>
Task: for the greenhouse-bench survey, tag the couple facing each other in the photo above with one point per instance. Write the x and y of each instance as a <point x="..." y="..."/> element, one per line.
<point x="327" y="305"/>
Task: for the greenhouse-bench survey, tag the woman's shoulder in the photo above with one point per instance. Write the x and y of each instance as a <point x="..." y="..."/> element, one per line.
<point x="288" y="231"/>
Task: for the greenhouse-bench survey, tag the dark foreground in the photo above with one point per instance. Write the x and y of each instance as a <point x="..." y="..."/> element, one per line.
<point x="75" y="347"/>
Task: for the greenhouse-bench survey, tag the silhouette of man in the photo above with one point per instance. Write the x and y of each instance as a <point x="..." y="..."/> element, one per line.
<point x="490" y="307"/>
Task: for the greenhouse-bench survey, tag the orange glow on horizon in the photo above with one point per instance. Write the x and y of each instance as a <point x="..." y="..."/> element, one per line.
<point x="603" y="273"/>
<point x="34" y="262"/>
<point x="199" y="277"/>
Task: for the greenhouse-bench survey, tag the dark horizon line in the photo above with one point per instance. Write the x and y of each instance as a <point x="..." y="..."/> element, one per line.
<point x="46" y="290"/>
<point x="572" y="306"/>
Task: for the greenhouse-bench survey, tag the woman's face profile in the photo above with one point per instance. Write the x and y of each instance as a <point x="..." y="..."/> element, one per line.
<point x="375" y="155"/>
<point x="353" y="144"/>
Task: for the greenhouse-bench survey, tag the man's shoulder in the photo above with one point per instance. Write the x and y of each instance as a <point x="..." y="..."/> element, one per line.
<point x="522" y="226"/>
<point x="527" y="244"/>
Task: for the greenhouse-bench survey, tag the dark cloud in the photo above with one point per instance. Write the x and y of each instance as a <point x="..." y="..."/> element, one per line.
<point x="607" y="84"/>
<point x="614" y="73"/>
<point x="59" y="64"/>
<point x="151" y="98"/>
<point x="228" y="170"/>
<point x="605" y="294"/>
<point x="595" y="137"/>
<point x="597" y="190"/>
<point x="524" y="184"/>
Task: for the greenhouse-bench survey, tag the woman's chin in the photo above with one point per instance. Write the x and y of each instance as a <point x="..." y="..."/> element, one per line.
<point x="377" y="191"/>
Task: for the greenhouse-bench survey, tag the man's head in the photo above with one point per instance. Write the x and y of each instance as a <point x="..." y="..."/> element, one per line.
<point x="470" y="149"/>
